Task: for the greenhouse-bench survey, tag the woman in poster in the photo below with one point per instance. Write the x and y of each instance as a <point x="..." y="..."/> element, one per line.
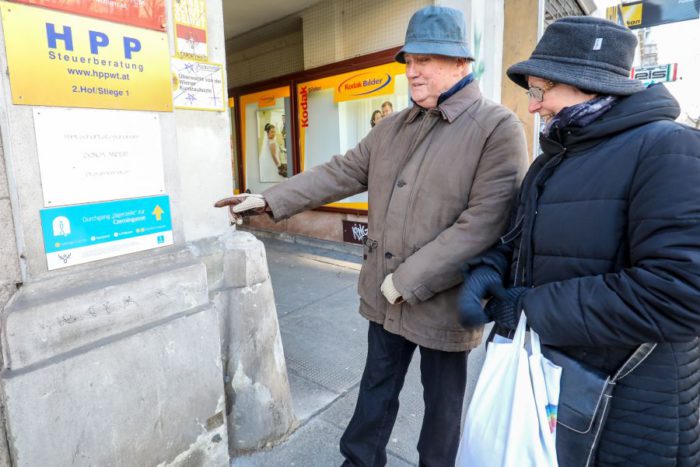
<point x="270" y="156"/>
<point x="376" y="116"/>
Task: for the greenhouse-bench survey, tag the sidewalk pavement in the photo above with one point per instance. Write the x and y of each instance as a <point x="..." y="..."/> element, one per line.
<point x="325" y="345"/>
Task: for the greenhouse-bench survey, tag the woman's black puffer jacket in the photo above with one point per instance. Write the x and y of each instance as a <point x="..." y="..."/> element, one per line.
<point x="609" y="222"/>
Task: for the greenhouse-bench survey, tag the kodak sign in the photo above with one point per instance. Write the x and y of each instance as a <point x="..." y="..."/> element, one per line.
<point x="363" y="85"/>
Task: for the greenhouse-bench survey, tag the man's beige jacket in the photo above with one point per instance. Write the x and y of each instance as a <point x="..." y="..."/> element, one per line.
<point x="440" y="184"/>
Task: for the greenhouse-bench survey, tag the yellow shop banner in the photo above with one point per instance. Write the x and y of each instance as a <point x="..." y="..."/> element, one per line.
<point x="63" y="60"/>
<point x="375" y="81"/>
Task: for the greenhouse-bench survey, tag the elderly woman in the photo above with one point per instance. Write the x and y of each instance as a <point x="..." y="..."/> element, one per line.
<point x="604" y="248"/>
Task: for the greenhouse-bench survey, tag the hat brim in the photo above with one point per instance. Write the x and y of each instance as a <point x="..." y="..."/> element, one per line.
<point x="448" y="49"/>
<point x="581" y="76"/>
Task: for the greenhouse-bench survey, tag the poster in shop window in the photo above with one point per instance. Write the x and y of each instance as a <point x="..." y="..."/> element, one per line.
<point x="272" y="151"/>
<point x="264" y="118"/>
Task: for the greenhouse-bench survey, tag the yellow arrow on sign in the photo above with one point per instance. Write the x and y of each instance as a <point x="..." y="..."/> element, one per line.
<point x="158" y="212"/>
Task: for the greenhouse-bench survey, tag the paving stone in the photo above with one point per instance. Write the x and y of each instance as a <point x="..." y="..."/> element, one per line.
<point x="308" y="398"/>
<point x="299" y="280"/>
<point x="328" y="350"/>
<point x="404" y="437"/>
<point x="313" y="445"/>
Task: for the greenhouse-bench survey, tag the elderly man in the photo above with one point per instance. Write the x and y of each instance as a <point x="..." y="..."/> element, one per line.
<point x="440" y="177"/>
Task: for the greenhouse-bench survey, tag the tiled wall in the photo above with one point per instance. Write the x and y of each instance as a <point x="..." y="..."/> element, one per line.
<point x="337" y="30"/>
<point x="331" y="31"/>
<point x="277" y="56"/>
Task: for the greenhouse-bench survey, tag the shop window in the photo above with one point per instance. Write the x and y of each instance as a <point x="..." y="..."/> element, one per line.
<point x="335" y="112"/>
<point x="266" y="141"/>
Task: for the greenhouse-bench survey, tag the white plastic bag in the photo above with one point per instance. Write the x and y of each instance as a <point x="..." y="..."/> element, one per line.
<point x="545" y="377"/>
<point x="511" y="419"/>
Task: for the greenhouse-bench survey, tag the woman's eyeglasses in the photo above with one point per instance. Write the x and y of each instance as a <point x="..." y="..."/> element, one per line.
<point x="537" y="93"/>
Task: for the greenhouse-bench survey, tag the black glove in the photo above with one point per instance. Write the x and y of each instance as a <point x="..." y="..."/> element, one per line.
<point x="476" y="286"/>
<point x="505" y="307"/>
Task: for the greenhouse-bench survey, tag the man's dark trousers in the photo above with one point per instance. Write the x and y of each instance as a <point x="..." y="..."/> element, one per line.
<point x="444" y="376"/>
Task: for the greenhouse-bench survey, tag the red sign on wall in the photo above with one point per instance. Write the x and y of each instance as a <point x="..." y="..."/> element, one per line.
<point x="142" y="13"/>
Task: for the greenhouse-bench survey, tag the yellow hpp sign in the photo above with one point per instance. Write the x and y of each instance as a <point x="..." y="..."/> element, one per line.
<point x="58" y="59"/>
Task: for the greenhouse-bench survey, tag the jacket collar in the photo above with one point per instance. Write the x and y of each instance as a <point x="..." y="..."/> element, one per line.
<point x="453" y="106"/>
<point x="453" y="90"/>
<point x="654" y="103"/>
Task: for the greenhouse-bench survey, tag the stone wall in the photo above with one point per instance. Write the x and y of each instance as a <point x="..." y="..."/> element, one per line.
<point x="10" y="277"/>
<point x="117" y="366"/>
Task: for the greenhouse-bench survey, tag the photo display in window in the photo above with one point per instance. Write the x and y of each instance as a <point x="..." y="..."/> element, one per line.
<point x="336" y="112"/>
<point x="266" y="139"/>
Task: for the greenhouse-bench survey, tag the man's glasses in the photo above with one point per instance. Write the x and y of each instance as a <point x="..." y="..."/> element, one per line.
<point x="537" y="93"/>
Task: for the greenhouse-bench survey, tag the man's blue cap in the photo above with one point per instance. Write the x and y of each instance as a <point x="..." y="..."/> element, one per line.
<point x="436" y="30"/>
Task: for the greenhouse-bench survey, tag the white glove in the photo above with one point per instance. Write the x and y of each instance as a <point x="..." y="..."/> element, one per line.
<point x="389" y="290"/>
<point x="245" y="204"/>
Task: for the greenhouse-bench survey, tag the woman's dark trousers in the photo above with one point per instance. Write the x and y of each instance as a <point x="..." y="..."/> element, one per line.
<point x="443" y="375"/>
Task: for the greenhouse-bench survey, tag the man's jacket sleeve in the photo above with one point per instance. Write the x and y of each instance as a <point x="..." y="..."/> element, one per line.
<point x="338" y="178"/>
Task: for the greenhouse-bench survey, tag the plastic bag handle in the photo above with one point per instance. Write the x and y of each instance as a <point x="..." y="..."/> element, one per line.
<point x="519" y="336"/>
<point x="535" y="344"/>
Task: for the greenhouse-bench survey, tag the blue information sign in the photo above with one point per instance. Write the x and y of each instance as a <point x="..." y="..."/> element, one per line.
<point x="89" y="232"/>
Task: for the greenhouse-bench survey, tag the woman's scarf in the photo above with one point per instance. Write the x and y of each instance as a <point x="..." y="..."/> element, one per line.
<point x="580" y="115"/>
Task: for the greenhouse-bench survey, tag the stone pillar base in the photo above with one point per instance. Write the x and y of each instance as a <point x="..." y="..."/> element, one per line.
<point x="117" y="365"/>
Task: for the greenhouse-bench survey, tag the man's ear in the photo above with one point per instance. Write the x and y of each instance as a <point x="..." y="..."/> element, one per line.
<point x="468" y="65"/>
<point x="464" y="65"/>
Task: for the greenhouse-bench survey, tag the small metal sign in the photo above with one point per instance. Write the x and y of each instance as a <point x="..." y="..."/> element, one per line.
<point x="88" y="155"/>
<point x="656" y="73"/>
<point x="90" y="232"/>
<point x="649" y="13"/>
<point x="198" y="85"/>
<point x="354" y="231"/>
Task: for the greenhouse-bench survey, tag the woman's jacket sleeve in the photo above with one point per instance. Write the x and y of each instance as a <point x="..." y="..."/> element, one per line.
<point x="657" y="298"/>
